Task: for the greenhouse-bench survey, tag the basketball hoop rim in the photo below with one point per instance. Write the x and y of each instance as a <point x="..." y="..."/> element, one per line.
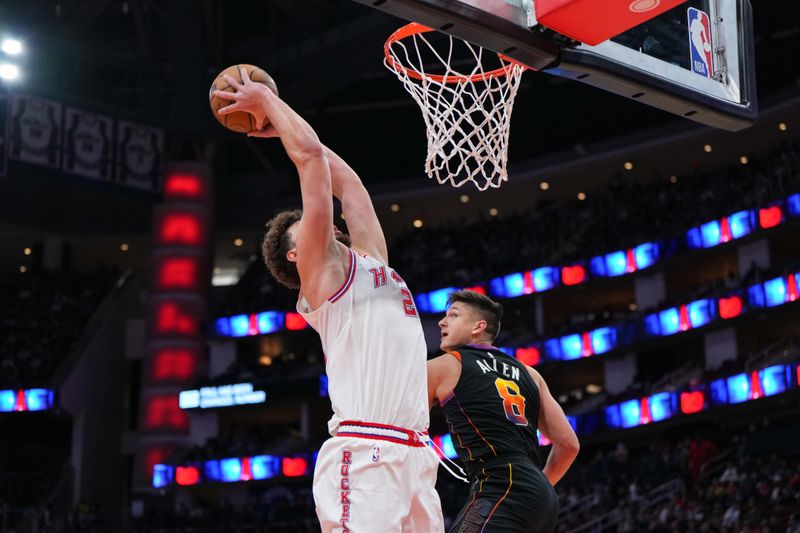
<point x="415" y="28"/>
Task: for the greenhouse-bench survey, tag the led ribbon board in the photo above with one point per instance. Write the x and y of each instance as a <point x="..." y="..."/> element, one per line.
<point x="24" y="400"/>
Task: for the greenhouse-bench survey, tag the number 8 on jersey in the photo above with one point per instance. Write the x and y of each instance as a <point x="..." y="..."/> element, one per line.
<point x="513" y="401"/>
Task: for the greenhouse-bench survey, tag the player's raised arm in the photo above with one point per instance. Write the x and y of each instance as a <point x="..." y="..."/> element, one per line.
<point x="362" y="222"/>
<point x="316" y="245"/>
<point x="434" y="378"/>
<point x="554" y="425"/>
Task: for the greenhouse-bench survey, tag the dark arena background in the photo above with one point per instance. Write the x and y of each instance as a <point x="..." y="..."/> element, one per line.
<point x="154" y="377"/>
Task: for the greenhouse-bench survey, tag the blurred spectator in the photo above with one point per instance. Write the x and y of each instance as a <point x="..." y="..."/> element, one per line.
<point x="41" y="318"/>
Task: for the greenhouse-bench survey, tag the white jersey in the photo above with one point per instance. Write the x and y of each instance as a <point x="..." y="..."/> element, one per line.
<point x="375" y="352"/>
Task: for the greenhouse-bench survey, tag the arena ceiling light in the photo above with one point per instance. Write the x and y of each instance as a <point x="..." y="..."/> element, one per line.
<point x="11" y="46"/>
<point x="9" y="72"/>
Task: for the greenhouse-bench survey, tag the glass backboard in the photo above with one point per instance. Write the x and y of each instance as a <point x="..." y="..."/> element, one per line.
<point x="695" y="60"/>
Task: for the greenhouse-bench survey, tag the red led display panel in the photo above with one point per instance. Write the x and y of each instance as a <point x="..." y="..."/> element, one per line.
<point x="185" y="185"/>
<point x="692" y="402"/>
<point x="573" y="275"/>
<point x="476" y="288"/>
<point x="294" y="466"/>
<point x="177" y="317"/>
<point x="187" y="475"/>
<point x="730" y="307"/>
<point x="178" y="273"/>
<point x="173" y="364"/>
<point x="528" y="356"/>
<point x="162" y="412"/>
<point x="770" y="217"/>
<point x="295" y="321"/>
<point x="181" y="227"/>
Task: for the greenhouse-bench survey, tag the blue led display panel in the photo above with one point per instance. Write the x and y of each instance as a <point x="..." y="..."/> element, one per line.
<point x="545" y="278"/>
<point x="775" y="292"/>
<point x="230" y="469"/>
<point x="756" y="296"/>
<point x="222" y="326"/>
<point x="162" y="475"/>
<point x="630" y="413"/>
<point x="775" y="379"/>
<point x="646" y="254"/>
<point x="240" y="325"/>
<point x="616" y="264"/>
<point x="613" y="417"/>
<point x="662" y="405"/>
<point x="710" y="234"/>
<point x="741" y="224"/>
<point x="265" y="466"/>
<point x="437" y="300"/>
<point x="552" y="348"/>
<point x="738" y="388"/>
<point x="571" y="347"/>
<point x="669" y="321"/>
<point x="514" y="284"/>
<point x="8" y="399"/>
<point x="701" y="312"/>
<point x="604" y="339"/>
<point x="793" y="205"/>
<point x="270" y="322"/>
<point x="26" y="400"/>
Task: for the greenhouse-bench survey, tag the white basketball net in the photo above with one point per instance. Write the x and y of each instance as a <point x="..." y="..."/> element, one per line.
<point x="467" y="115"/>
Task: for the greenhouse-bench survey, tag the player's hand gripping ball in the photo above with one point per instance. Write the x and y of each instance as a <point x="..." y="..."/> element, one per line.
<point x="238" y="121"/>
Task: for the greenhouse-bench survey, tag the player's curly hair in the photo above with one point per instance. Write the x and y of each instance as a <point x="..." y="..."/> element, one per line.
<point x="275" y="245"/>
<point x="488" y="309"/>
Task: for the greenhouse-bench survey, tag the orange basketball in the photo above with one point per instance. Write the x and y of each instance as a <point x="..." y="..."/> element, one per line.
<point x="241" y="121"/>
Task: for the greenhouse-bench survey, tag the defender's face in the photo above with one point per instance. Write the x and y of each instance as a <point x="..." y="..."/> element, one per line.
<point x="457" y="326"/>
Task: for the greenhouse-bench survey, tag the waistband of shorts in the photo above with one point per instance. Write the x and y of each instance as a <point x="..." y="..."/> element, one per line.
<point x="376" y="431"/>
<point x="474" y="467"/>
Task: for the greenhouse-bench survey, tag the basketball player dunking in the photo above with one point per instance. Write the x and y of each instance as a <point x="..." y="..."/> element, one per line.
<point x="494" y="405"/>
<point x="377" y="473"/>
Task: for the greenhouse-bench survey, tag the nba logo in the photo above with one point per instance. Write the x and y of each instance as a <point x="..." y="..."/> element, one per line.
<point x="700" y="43"/>
<point x="376" y="454"/>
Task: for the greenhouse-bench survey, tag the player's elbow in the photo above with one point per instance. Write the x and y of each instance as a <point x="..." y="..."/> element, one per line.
<point x="310" y="150"/>
<point x="569" y="446"/>
<point x="572" y="446"/>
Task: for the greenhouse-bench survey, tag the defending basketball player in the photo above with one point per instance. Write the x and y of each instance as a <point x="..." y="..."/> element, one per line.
<point x="494" y="405"/>
<point x="377" y="473"/>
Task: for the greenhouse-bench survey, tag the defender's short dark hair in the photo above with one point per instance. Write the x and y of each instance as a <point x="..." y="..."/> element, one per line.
<point x="275" y="245"/>
<point x="489" y="310"/>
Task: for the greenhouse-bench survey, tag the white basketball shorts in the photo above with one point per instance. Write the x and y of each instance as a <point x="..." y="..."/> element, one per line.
<point x="374" y="478"/>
